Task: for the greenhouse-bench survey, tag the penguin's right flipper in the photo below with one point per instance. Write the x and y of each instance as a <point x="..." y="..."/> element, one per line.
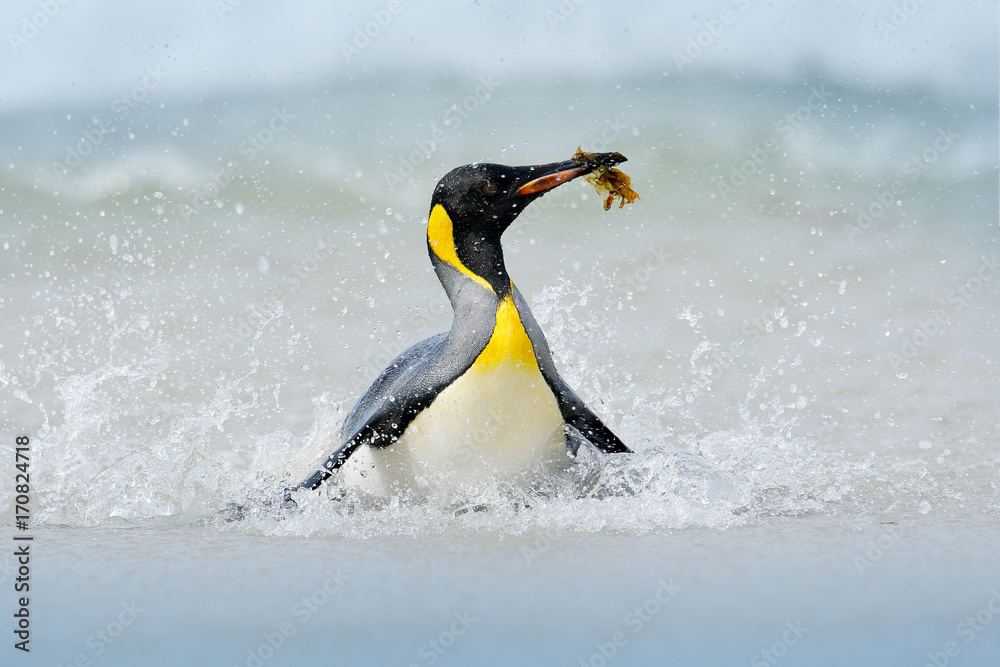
<point x="406" y="387"/>
<point x="334" y="461"/>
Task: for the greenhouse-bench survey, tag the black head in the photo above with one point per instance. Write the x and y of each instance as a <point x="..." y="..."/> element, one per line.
<point x="474" y="204"/>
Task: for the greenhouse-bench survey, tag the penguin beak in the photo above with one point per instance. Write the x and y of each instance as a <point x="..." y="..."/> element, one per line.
<point x="547" y="176"/>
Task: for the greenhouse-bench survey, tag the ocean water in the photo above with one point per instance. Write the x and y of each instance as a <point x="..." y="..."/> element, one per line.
<point x="795" y="329"/>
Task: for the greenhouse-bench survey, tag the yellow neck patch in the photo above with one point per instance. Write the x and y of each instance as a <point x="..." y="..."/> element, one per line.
<point x="441" y="236"/>
<point x="509" y="343"/>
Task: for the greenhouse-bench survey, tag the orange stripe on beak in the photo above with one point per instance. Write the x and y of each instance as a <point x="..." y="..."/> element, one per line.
<point x="549" y="181"/>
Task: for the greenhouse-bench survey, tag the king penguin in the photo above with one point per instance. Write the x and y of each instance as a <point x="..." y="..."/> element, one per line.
<point x="483" y="399"/>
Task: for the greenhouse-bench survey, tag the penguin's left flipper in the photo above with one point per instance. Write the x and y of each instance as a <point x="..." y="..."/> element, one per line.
<point x="574" y="411"/>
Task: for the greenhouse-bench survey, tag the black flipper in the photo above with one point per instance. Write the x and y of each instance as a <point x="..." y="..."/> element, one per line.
<point x="574" y="411"/>
<point x="380" y="416"/>
<point x="412" y="381"/>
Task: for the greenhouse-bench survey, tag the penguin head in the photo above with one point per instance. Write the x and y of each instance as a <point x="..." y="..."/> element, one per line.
<point x="487" y="198"/>
<point x="474" y="204"/>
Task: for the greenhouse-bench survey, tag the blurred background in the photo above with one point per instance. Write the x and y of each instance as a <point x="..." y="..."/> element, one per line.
<point x="224" y="142"/>
<point x="212" y="219"/>
<point x="93" y="52"/>
<point x="191" y="189"/>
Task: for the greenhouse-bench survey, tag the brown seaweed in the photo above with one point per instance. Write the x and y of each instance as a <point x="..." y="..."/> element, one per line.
<point x="605" y="178"/>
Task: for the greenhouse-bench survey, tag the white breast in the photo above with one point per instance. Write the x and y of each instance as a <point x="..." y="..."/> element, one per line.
<point x="499" y="419"/>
